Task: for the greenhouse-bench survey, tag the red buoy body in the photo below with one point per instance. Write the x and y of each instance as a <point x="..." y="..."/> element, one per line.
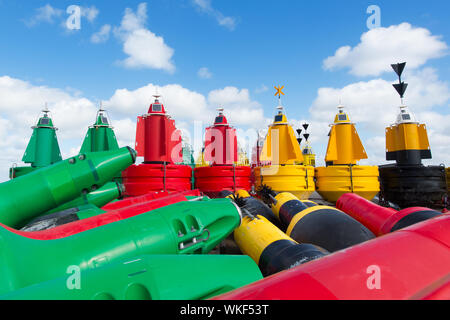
<point x="212" y="180"/>
<point x="159" y="142"/>
<point x="157" y="138"/>
<point x="127" y="210"/>
<point x="221" y="142"/>
<point x="144" y="178"/>
<point x="397" y="266"/>
<point x="221" y="152"/>
<point x="381" y="220"/>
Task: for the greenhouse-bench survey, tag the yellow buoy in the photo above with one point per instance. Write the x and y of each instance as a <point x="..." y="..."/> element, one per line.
<point x="342" y="174"/>
<point x="448" y="179"/>
<point x="309" y="156"/>
<point x="285" y="169"/>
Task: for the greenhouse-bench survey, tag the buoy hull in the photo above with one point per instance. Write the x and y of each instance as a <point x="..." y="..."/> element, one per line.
<point x="387" y="268"/>
<point x="298" y="180"/>
<point x="144" y="178"/>
<point x="381" y="220"/>
<point x="334" y="181"/>
<point x="212" y="180"/>
<point x="415" y="185"/>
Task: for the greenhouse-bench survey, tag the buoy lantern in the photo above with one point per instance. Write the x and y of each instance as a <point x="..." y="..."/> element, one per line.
<point x="218" y="171"/>
<point x="342" y="174"/>
<point x="160" y="143"/>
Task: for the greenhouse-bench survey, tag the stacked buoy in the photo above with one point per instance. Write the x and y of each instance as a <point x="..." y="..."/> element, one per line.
<point x="323" y="226"/>
<point x="408" y="182"/>
<point x="159" y="142"/>
<point x="221" y="152"/>
<point x="381" y="220"/>
<point x="342" y="174"/>
<point x="308" y="154"/>
<point x="101" y="137"/>
<point x="43" y="148"/>
<point x="281" y="163"/>
<point x="272" y="249"/>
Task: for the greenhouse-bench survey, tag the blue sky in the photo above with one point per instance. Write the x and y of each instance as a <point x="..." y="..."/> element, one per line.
<point x="246" y="46"/>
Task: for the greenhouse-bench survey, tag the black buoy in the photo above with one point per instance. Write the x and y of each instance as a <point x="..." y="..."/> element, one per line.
<point x="408" y="182"/>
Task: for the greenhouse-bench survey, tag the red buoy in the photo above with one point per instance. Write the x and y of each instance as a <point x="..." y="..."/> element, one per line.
<point x="221" y="151"/>
<point x="407" y="264"/>
<point x="159" y="142"/>
<point x="124" y="210"/>
<point x="381" y="220"/>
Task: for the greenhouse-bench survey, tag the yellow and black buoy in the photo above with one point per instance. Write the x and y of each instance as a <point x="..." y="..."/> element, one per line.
<point x="252" y="205"/>
<point x="342" y="174"/>
<point x="409" y="183"/>
<point x="284" y="168"/>
<point x="270" y="248"/>
<point x="324" y="226"/>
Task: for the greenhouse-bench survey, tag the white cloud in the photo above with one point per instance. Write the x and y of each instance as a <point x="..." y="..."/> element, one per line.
<point x="143" y="47"/>
<point x="241" y="108"/>
<point x="206" y="7"/>
<point x="204" y="73"/>
<point x="261" y="89"/>
<point x="102" y="35"/>
<point x="90" y="13"/>
<point x="380" y="47"/>
<point x="44" y="14"/>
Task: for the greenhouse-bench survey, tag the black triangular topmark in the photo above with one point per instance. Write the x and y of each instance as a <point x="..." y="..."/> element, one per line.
<point x="299" y="131"/>
<point x="398" y="68"/>
<point x="306" y="126"/>
<point x="306" y="135"/>
<point x="401" y="88"/>
<point x="299" y="141"/>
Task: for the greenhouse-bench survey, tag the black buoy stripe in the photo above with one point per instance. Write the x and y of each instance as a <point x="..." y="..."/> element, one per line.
<point x="289" y="210"/>
<point x="328" y="228"/>
<point x="285" y="254"/>
<point x="414" y="218"/>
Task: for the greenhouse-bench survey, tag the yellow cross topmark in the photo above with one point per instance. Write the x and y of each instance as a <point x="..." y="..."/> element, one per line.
<point x="279" y="92"/>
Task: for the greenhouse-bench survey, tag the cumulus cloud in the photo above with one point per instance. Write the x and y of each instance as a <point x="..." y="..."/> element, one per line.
<point x="102" y="35"/>
<point x="204" y="73"/>
<point x="380" y="47"/>
<point x="205" y="6"/>
<point x="44" y="14"/>
<point x="242" y="109"/>
<point x="90" y="13"/>
<point x="143" y="47"/>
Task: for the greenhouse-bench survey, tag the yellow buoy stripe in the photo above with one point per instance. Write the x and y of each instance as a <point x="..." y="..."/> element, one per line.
<point x="242" y="194"/>
<point x="282" y="198"/>
<point x="309" y="201"/>
<point x="302" y="214"/>
<point x="255" y="235"/>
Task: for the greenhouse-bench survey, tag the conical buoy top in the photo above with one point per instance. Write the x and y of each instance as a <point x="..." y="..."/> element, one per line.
<point x="344" y="145"/>
<point x="100" y="136"/>
<point x="157" y="138"/>
<point x="221" y="147"/>
<point x="281" y="145"/>
<point x="43" y="148"/>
